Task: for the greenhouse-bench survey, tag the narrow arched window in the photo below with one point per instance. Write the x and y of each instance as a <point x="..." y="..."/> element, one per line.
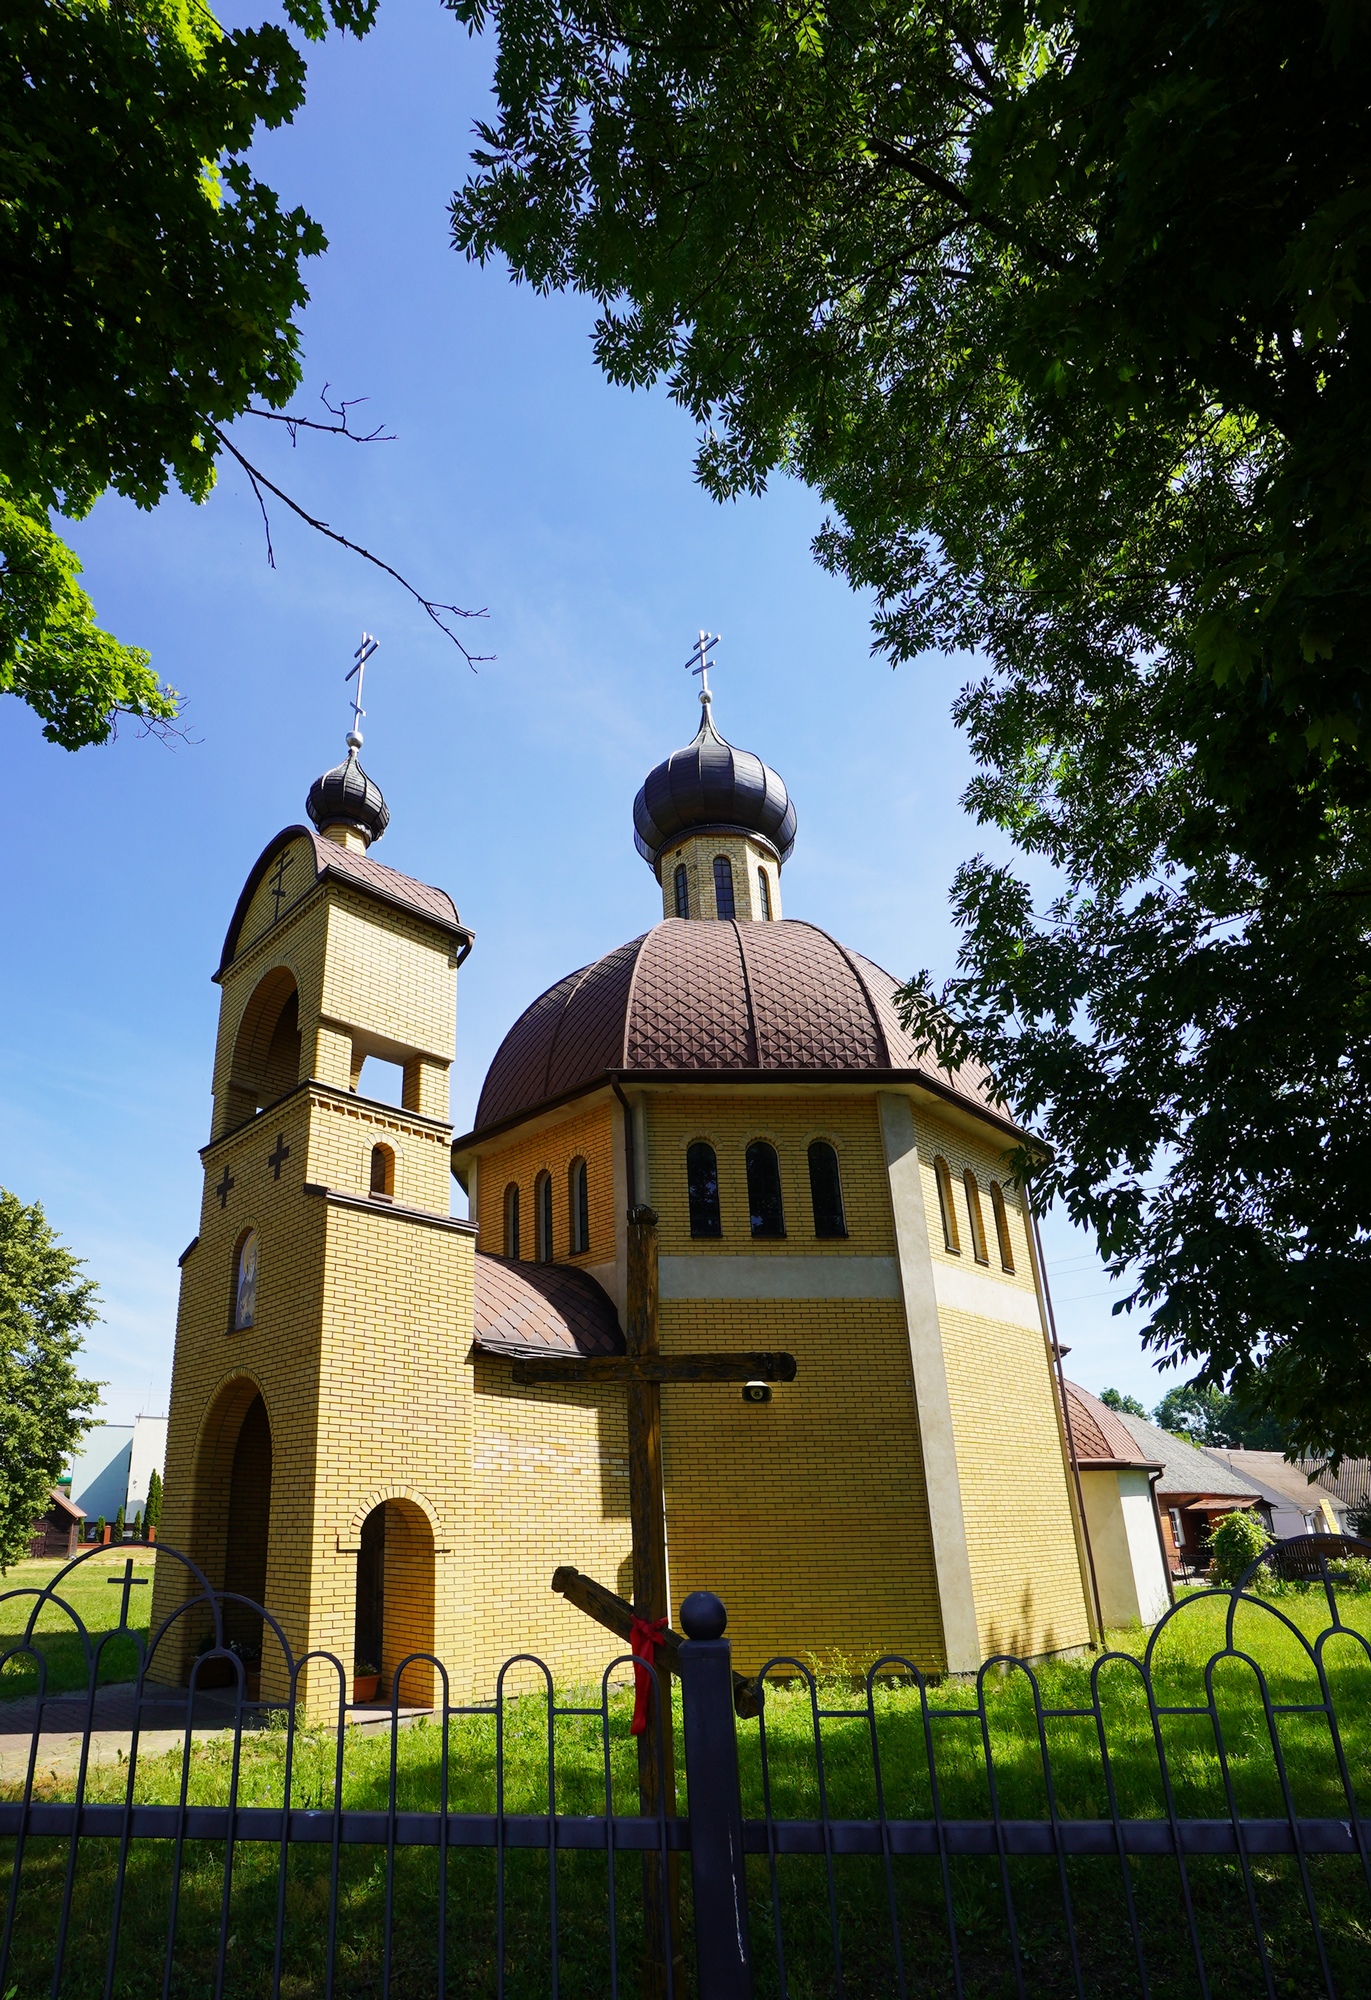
<point x="764" y="1190"/>
<point x="723" y="887"/>
<point x="542" y="1217"/>
<point x="942" y="1174"/>
<point x="976" y="1219"/>
<point x="682" y="891"/>
<point x="382" y="1173"/>
<point x="702" y="1185"/>
<point x="1001" y="1214"/>
<point x="512" y="1219"/>
<point x="764" y="895"/>
<point x="245" y="1281"/>
<point x="826" y="1190"/>
<point x="578" y="1207"/>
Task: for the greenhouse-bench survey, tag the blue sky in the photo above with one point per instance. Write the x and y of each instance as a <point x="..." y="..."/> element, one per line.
<point x="519" y="482"/>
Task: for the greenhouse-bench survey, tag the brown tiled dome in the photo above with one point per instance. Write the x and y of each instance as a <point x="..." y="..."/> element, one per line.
<point x="714" y="1001"/>
<point x="536" y="1309"/>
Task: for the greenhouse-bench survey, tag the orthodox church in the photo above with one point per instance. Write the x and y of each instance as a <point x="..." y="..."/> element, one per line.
<point x="350" y="1441"/>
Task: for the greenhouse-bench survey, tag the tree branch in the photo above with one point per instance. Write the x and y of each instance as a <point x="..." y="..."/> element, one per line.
<point x="431" y="605"/>
<point x="294" y="424"/>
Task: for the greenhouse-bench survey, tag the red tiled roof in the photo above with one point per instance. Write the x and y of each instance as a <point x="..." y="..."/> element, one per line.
<point x="345" y="865"/>
<point x="691" y="996"/>
<point x="527" y="1309"/>
<point x="1099" y="1434"/>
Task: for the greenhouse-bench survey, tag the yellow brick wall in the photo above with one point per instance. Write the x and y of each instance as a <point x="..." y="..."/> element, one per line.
<point x="589" y="1134"/>
<point x="345" y="1129"/>
<point x="389" y="975"/>
<point x="730" y="1123"/>
<point x="745" y="858"/>
<point x="266" y="911"/>
<point x="1025" y="1566"/>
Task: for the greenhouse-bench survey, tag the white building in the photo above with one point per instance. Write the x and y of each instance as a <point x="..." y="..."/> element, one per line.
<point x="1117" y="1477"/>
<point x="113" y="1466"/>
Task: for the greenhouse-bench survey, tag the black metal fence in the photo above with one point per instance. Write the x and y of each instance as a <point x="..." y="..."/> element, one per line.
<point x="1188" y="1821"/>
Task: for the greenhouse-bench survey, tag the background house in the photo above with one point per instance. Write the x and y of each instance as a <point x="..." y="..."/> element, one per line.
<point x="113" y="1465"/>
<point x="1292" y="1504"/>
<point x="1193" y="1492"/>
<point x="1127" y="1554"/>
<point x="58" y="1531"/>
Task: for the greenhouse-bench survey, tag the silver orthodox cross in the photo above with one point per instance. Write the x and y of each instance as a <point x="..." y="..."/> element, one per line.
<point x="700" y="662"/>
<point x="361" y="656"/>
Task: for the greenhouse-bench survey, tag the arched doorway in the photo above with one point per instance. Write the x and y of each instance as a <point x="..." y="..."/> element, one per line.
<point x="248" y="1526"/>
<point x="266" y="1050"/>
<point x="394" y="1604"/>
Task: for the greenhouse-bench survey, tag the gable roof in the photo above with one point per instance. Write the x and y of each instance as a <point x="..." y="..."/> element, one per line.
<point x="387" y="885"/>
<point x="1185" y="1468"/>
<point x="60" y="1499"/>
<point x="1271" y="1469"/>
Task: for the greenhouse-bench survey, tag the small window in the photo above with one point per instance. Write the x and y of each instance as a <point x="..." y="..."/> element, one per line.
<point x="826" y="1190"/>
<point x="702" y="1184"/>
<point x="1177" y="1527"/>
<point x="542" y="1215"/>
<point x="976" y="1219"/>
<point x="723" y="887"/>
<point x="512" y="1219"/>
<point x="382" y="1173"/>
<point x="764" y="1190"/>
<point x="245" y="1282"/>
<point x="1002" y="1226"/>
<point x="578" y="1207"/>
<point x="682" y="891"/>
<point x="764" y="895"/>
<point x="942" y="1173"/>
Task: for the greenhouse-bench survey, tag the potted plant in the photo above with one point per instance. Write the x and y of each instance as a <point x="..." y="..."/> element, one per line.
<point x="366" y="1679"/>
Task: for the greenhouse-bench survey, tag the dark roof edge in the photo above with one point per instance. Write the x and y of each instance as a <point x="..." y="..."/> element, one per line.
<point x="337" y="1198"/>
<point x="874" y="1079"/>
<point x="228" y="957"/>
<point x="420" y="1118"/>
<point x="711" y="826"/>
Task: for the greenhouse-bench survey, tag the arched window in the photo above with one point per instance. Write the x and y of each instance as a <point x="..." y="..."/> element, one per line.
<point x="942" y="1173"/>
<point x="826" y="1190"/>
<point x="382" y="1173"/>
<point x="578" y="1207"/>
<point x="682" y="891"/>
<point x="702" y="1184"/>
<point x="542" y="1216"/>
<point x="723" y="886"/>
<point x="512" y="1219"/>
<point x="764" y="1190"/>
<point x="245" y="1281"/>
<point x="977" y="1220"/>
<point x="764" y="895"/>
<point x="1001" y="1214"/>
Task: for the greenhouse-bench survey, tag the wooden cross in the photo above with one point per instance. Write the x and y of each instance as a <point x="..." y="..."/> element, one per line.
<point x="278" y="1156"/>
<point x="225" y="1187"/>
<point x="642" y="1371"/>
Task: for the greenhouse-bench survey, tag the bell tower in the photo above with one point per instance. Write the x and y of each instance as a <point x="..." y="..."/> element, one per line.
<point x="322" y="1301"/>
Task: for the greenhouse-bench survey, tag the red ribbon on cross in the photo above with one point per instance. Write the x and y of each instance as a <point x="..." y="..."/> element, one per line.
<point x="644" y="1642"/>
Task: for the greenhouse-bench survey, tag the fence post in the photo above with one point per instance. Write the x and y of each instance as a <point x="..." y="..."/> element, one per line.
<point x="723" y="1956"/>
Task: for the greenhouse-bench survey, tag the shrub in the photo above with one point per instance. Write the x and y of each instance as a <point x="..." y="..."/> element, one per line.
<point x="1238" y="1539"/>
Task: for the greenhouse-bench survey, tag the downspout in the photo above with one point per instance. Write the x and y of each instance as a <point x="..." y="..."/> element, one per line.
<point x="630" y="1151"/>
<point x="1065" y="1418"/>
<point x="1154" y="1480"/>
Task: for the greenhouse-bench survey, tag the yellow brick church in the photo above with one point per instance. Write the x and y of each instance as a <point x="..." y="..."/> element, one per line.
<point x="347" y="1441"/>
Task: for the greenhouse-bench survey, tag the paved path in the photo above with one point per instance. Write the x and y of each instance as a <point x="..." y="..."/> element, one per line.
<point x="165" y="1713"/>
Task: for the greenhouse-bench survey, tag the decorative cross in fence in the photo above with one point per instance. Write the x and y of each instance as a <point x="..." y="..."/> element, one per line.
<point x="642" y="1371"/>
<point x="128" y="1581"/>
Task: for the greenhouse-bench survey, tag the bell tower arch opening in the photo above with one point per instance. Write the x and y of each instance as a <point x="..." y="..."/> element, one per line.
<point x="232" y="1525"/>
<point x="266" y="1051"/>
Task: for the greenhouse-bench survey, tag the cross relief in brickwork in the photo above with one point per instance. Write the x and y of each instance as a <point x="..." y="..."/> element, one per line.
<point x="225" y="1187"/>
<point x="278" y="1156"/>
<point x="278" y="882"/>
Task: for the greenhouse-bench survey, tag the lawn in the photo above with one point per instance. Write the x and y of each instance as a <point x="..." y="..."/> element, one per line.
<point x="93" y="1592"/>
<point x="801" y="1906"/>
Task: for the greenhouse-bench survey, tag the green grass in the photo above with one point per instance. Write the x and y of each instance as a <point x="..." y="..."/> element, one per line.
<point x="864" y="1923"/>
<point x="95" y="1599"/>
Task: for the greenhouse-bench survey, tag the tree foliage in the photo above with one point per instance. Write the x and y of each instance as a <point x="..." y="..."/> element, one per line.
<point x="44" y="1405"/>
<point x="1063" y="310"/>
<point x="1127" y="1406"/>
<point x="1235" y="1543"/>
<point x="149" y="284"/>
<point x="1200" y="1411"/>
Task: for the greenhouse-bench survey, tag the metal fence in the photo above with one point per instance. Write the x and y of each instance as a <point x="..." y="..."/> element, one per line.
<point x="1187" y="1821"/>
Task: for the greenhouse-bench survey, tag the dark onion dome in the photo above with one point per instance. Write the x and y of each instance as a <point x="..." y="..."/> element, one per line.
<point x="346" y="796"/>
<point x="718" y="1002"/>
<point x="710" y="786"/>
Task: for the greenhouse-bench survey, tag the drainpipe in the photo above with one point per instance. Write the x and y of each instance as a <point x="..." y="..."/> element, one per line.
<point x="1065" y="1409"/>
<point x="630" y="1151"/>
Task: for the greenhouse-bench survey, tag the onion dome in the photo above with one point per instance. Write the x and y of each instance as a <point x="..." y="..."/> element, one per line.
<point x="711" y="787"/>
<point x="346" y="796"/>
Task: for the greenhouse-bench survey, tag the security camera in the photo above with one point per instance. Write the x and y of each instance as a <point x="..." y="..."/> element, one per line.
<point x="756" y="1392"/>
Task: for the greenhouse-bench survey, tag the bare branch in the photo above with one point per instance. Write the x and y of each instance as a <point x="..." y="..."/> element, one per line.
<point x="340" y="409"/>
<point x="431" y="605"/>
